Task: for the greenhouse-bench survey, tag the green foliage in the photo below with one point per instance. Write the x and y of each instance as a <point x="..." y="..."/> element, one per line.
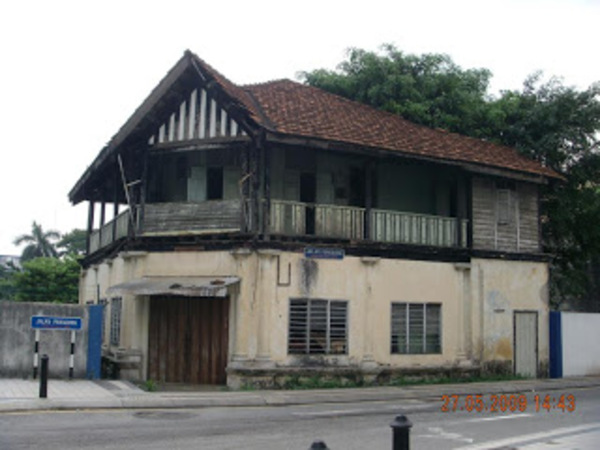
<point x="150" y="386"/>
<point x="428" y="89"/>
<point x="40" y="243"/>
<point x="547" y="121"/>
<point x="48" y="280"/>
<point x="73" y="242"/>
<point x="8" y="289"/>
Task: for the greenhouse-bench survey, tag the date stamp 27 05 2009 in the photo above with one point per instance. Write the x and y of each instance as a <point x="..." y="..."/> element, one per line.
<point x="508" y="403"/>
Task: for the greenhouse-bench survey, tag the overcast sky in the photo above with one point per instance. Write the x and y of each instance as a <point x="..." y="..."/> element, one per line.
<point x="72" y="72"/>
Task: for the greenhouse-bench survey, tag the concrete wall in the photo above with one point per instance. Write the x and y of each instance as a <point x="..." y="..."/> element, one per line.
<point x="17" y="340"/>
<point x="478" y="302"/>
<point x="499" y="289"/>
<point x="579" y="330"/>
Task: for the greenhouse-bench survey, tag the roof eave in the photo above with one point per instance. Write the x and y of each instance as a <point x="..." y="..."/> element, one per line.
<point x="132" y="123"/>
<point x="475" y="167"/>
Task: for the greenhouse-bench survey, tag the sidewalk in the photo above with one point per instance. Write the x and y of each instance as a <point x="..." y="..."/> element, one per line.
<point x="23" y="395"/>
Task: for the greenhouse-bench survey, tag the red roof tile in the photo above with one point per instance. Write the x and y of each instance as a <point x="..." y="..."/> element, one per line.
<point x="296" y="109"/>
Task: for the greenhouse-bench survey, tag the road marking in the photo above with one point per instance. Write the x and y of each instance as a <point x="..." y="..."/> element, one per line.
<point x="491" y="419"/>
<point x="439" y="433"/>
<point x="348" y="412"/>
<point x="531" y="438"/>
<point x="333" y="412"/>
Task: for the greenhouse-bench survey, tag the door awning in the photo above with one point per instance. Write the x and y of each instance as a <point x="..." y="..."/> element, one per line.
<point x="182" y="286"/>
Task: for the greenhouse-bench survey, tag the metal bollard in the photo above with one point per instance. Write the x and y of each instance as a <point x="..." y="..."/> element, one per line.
<point x="44" y="377"/>
<point x="318" y="445"/>
<point x="401" y="433"/>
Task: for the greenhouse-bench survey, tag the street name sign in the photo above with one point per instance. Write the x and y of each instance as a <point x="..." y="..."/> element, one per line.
<point x="324" y="253"/>
<point x="55" y="323"/>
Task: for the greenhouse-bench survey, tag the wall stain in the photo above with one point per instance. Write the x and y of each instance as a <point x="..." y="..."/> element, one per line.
<point x="309" y="273"/>
<point x="503" y="349"/>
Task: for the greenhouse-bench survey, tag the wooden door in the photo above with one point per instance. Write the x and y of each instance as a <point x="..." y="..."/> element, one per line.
<point x="526" y="336"/>
<point x="188" y="340"/>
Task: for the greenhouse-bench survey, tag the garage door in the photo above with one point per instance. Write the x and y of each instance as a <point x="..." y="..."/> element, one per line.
<point x="188" y="339"/>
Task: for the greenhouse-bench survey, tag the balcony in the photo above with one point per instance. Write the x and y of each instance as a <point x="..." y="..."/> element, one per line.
<point x="347" y="222"/>
<point x="288" y="218"/>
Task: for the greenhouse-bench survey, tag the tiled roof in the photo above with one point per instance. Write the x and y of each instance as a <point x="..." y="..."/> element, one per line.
<point x="296" y="109"/>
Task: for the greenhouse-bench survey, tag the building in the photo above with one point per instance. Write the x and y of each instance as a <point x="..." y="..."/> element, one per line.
<point x="10" y="262"/>
<point x="272" y="230"/>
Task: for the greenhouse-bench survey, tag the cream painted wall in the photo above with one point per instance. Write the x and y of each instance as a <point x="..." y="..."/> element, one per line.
<point x="499" y="289"/>
<point x="478" y="301"/>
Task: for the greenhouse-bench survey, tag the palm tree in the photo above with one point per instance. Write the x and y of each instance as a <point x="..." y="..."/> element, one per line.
<point x="39" y="243"/>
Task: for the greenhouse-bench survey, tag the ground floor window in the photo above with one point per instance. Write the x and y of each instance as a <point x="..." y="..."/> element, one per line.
<point x="416" y="328"/>
<point x="116" y="307"/>
<point x="318" y="327"/>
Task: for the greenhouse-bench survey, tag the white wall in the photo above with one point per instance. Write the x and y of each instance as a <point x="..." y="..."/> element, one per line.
<point x="580" y="336"/>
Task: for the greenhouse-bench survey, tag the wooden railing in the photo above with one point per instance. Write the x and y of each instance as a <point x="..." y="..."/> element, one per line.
<point x="339" y="221"/>
<point x="422" y="229"/>
<point x="291" y="218"/>
<point x="348" y="222"/>
<point x="288" y="217"/>
<point x="110" y="232"/>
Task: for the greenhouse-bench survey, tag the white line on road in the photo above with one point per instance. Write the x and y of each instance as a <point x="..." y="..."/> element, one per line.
<point x="491" y="419"/>
<point x="339" y="412"/>
<point x="347" y="412"/>
<point x="531" y="438"/>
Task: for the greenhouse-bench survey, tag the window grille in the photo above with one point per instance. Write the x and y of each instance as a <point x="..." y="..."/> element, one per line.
<point x="116" y="306"/>
<point x="318" y="327"/>
<point x="416" y="328"/>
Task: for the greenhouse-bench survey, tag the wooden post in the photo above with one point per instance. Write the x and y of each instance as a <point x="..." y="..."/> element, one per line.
<point x="90" y="226"/>
<point x="368" y="198"/>
<point x="254" y="187"/>
<point x="245" y="203"/>
<point x="116" y="181"/>
<point x="461" y="209"/>
<point x="102" y="219"/>
<point x="143" y="190"/>
<point x="267" y="192"/>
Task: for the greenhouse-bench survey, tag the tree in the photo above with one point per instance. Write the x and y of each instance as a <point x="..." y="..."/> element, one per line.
<point x="7" y="285"/>
<point x="428" y="89"/>
<point x="548" y="121"/>
<point x="48" y="280"/>
<point x="73" y="242"/>
<point x="39" y="243"/>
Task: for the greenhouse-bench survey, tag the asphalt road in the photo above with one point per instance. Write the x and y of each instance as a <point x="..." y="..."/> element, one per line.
<point x="341" y="426"/>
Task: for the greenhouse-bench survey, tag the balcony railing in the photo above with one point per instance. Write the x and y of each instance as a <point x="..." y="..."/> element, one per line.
<point x="409" y="228"/>
<point x="110" y="232"/>
<point x="348" y="222"/>
<point x="290" y="218"/>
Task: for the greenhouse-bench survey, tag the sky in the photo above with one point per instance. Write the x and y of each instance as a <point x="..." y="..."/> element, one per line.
<point x="72" y="72"/>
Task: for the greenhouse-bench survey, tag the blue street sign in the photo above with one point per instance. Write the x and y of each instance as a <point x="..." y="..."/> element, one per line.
<point x="55" y="323"/>
<point x="324" y="253"/>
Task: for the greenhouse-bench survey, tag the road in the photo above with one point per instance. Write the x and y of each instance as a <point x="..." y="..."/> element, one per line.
<point x="341" y="426"/>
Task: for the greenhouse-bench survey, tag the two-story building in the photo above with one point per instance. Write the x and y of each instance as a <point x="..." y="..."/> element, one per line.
<point x="249" y="233"/>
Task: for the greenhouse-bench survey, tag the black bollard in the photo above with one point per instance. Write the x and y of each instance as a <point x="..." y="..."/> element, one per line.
<point x="401" y="433"/>
<point x="318" y="445"/>
<point x="44" y="377"/>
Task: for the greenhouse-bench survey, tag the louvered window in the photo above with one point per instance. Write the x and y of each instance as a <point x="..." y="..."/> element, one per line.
<point x="505" y="198"/>
<point x="318" y="327"/>
<point x="416" y="328"/>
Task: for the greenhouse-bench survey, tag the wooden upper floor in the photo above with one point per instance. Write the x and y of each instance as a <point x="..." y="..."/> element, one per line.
<point x="203" y="156"/>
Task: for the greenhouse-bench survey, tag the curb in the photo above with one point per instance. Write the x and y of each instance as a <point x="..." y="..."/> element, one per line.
<point x="173" y="400"/>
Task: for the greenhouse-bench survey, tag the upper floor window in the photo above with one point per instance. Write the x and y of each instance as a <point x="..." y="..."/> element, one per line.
<point x="416" y="328"/>
<point x="318" y="327"/>
<point x="505" y="198"/>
